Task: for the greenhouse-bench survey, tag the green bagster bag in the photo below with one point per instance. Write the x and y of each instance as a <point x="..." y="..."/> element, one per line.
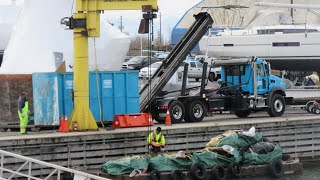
<point x="212" y="159"/>
<point x="125" y="165"/>
<point x="253" y="158"/>
<point x="239" y="140"/>
<point x="166" y="163"/>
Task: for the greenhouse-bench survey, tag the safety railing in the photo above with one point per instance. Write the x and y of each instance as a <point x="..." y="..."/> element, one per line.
<point x="29" y="164"/>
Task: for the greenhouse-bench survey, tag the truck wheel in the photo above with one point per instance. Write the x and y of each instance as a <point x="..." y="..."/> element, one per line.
<point x="157" y="117"/>
<point x="177" y="112"/>
<point x="196" y="111"/>
<point x="277" y="106"/>
<point x="217" y="77"/>
<point x="211" y="77"/>
<point x="242" y="113"/>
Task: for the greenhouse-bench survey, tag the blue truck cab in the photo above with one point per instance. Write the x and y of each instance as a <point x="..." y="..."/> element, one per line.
<point x="247" y="85"/>
<point x="265" y="81"/>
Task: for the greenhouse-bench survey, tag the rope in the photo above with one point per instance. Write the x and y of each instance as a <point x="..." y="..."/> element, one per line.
<point x="150" y="39"/>
<point x="97" y="81"/>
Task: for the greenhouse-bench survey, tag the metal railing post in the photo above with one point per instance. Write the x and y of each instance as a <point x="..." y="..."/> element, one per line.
<point x="29" y="170"/>
<point x="2" y="159"/>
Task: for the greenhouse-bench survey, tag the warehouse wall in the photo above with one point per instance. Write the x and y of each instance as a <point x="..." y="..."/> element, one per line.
<point x="11" y="87"/>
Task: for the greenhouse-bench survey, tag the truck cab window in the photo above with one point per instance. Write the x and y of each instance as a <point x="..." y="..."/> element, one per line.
<point x="200" y="65"/>
<point x="192" y="64"/>
<point x="260" y="70"/>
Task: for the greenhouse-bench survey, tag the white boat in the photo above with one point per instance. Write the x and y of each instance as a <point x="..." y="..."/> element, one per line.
<point x="289" y="47"/>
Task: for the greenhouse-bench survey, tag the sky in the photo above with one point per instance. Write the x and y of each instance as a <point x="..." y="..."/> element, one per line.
<point x="171" y="12"/>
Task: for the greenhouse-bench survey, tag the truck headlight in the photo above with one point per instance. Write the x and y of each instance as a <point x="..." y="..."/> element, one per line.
<point x="130" y="67"/>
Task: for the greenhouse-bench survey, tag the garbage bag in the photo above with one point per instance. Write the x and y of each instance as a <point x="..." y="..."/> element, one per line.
<point x="166" y="163"/>
<point x="253" y="158"/>
<point x="263" y="147"/>
<point x="215" y="140"/>
<point x="125" y="165"/>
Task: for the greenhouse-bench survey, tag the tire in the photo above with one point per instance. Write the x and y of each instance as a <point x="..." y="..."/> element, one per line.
<point x="211" y="77"/>
<point x="197" y="171"/>
<point x="195" y="111"/>
<point x="276" y="168"/>
<point x="315" y="110"/>
<point x="177" y="112"/>
<point x="176" y="175"/>
<point x="217" y="77"/>
<point x="155" y="175"/>
<point x="219" y="173"/>
<point x="277" y="106"/>
<point x="309" y="107"/>
<point x="235" y="170"/>
<point x="242" y="113"/>
<point x="159" y="119"/>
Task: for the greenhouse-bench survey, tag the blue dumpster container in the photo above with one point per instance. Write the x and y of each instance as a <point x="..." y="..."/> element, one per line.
<point x="110" y="93"/>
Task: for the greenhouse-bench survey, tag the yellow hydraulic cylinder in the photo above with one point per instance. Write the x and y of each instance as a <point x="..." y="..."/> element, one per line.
<point x="81" y="113"/>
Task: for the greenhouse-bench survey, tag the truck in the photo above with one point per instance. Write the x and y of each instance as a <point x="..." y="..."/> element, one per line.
<point x="195" y="69"/>
<point x="246" y="85"/>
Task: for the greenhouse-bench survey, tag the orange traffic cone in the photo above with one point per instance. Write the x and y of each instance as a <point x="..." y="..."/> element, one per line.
<point x="64" y="125"/>
<point x="168" y="119"/>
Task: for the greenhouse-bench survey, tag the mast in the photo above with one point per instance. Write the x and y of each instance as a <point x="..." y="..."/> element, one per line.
<point x="292" y="11"/>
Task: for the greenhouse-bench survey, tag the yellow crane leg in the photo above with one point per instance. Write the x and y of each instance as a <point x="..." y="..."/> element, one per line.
<point x="81" y="112"/>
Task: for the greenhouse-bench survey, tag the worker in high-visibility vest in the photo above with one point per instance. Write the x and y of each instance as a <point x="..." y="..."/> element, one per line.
<point x="23" y="111"/>
<point x="156" y="142"/>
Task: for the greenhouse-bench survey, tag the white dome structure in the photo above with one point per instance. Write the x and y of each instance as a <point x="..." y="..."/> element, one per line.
<point x="8" y="17"/>
<point x="39" y="43"/>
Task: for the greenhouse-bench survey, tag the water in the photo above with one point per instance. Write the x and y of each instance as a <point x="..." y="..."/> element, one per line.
<point x="311" y="171"/>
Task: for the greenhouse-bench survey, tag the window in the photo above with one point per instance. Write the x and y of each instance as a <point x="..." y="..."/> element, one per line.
<point x="242" y="70"/>
<point x="260" y="70"/>
<point x="285" y="31"/>
<point x="228" y="45"/>
<point x="193" y="64"/>
<point x="235" y="70"/>
<point x="200" y="65"/>
<point x="282" y="44"/>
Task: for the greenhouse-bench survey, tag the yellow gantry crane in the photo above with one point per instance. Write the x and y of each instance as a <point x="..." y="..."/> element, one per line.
<point x="85" y="23"/>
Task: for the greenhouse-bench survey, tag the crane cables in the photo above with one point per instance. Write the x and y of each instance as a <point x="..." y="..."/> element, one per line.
<point x="97" y="80"/>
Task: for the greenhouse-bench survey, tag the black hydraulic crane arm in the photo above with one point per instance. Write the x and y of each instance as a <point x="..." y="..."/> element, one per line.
<point x="170" y="65"/>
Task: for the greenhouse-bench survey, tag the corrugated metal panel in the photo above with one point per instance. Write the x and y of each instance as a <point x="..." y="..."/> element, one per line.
<point x="114" y="92"/>
<point x="46" y="98"/>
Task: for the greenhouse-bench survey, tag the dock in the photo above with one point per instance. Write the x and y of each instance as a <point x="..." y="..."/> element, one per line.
<point x="297" y="132"/>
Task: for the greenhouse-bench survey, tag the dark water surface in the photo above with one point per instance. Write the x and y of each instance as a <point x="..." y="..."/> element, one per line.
<point x="311" y="171"/>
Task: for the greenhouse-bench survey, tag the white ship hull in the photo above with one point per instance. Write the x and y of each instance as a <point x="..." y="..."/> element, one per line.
<point x="298" y="51"/>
